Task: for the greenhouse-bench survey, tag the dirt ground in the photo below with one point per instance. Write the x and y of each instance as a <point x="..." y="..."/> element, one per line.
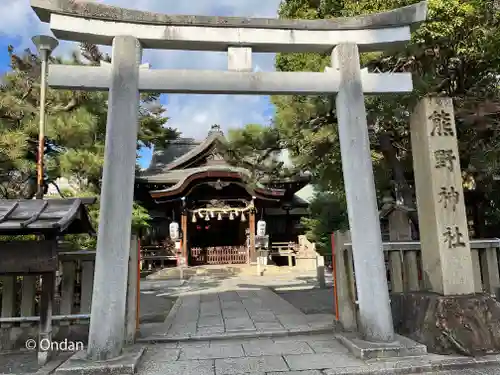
<point x="310" y="301"/>
<point x="154" y="309"/>
<point x="24" y="362"/>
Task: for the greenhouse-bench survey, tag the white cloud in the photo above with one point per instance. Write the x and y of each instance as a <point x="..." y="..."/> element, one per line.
<point x="194" y="114"/>
<point x="17" y="16"/>
<point x="191" y="114"/>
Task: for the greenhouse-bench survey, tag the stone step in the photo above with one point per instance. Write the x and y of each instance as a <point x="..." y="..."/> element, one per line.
<point x="239" y="335"/>
<point x="218" y="271"/>
<point x="402" y="347"/>
<point x="175" y="273"/>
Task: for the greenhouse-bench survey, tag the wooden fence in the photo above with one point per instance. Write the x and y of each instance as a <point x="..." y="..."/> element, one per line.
<point x="20" y="298"/>
<point x="286" y="250"/>
<point x="219" y="255"/>
<point x="155" y="258"/>
<point x="404" y="270"/>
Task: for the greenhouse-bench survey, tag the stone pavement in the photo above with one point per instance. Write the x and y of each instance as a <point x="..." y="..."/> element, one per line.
<point x="319" y="354"/>
<point x="236" y="312"/>
<point x="238" y="325"/>
<point x="490" y="370"/>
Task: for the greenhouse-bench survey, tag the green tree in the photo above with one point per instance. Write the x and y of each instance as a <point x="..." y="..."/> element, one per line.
<point x="75" y="129"/>
<point x="454" y="54"/>
<point x="328" y="214"/>
<point x="257" y="148"/>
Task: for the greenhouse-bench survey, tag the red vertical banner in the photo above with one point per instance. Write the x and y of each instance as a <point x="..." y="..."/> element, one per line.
<point x="183" y="245"/>
<point x="138" y="303"/>
<point x="334" y="274"/>
<point x="179" y="253"/>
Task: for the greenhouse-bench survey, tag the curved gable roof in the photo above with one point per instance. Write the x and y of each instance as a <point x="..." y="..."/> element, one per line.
<point x="211" y="172"/>
<point x="182" y="161"/>
<point x="162" y="157"/>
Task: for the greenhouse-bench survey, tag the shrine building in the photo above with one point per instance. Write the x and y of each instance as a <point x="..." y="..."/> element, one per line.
<point x="215" y="205"/>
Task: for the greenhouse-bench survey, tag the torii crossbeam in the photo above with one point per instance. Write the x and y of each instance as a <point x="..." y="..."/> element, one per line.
<point x="227" y="82"/>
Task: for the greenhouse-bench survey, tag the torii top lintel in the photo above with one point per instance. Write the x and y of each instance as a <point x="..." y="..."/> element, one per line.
<point x="86" y="9"/>
<point x="84" y="21"/>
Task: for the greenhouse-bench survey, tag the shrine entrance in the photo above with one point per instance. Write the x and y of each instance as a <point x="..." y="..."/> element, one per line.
<point x="218" y="230"/>
<point x="220" y="241"/>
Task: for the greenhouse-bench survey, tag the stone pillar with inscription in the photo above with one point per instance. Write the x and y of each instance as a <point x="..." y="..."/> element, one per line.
<point x="446" y="256"/>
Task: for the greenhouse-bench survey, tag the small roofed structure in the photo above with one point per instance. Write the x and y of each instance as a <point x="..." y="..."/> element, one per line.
<point x="395" y="221"/>
<point x="48" y="219"/>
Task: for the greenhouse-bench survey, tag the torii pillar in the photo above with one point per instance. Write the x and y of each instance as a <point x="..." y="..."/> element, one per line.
<point x="375" y="313"/>
<point x="107" y="323"/>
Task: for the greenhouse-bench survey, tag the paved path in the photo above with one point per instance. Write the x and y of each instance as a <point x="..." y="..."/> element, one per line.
<point x="490" y="370"/>
<point x="319" y="354"/>
<point x="213" y="311"/>
<point x="240" y="311"/>
<point x="231" y="308"/>
<point x="238" y="325"/>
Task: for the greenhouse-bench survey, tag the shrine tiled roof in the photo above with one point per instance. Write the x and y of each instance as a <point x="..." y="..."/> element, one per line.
<point x="164" y="156"/>
<point x="181" y="152"/>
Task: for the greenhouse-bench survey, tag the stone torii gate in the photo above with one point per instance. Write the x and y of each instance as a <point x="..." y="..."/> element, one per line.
<point x="130" y="31"/>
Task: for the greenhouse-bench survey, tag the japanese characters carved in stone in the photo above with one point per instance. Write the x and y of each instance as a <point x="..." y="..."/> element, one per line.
<point x="445" y="159"/>
<point x="453" y="237"/>
<point x="449" y="196"/>
<point x="442" y="123"/>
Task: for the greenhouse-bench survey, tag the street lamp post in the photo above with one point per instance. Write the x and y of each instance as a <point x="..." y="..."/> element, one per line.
<point x="45" y="45"/>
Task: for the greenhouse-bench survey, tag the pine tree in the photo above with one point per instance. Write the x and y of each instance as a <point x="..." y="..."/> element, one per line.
<point x="75" y="128"/>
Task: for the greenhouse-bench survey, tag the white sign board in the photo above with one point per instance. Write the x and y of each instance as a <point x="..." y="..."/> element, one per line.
<point x="261" y="228"/>
<point x="181" y="261"/>
<point x="174" y="230"/>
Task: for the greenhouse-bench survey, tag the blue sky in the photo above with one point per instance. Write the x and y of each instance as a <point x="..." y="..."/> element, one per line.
<point x="191" y="114"/>
<point x="4" y="56"/>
